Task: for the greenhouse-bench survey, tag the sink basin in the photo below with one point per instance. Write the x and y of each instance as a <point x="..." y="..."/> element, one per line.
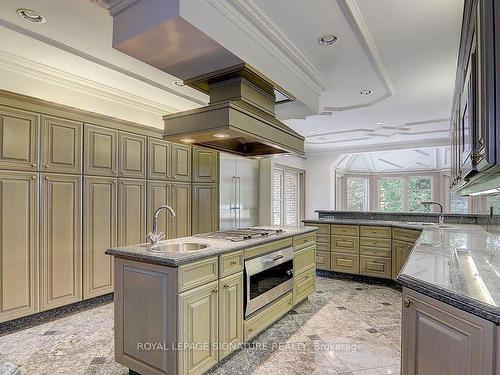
<point x="435" y="225"/>
<point x="176" y="247"/>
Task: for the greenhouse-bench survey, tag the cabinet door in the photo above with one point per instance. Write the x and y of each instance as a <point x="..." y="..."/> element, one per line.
<point x="61" y="145"/>
<point x="18" y="139"/>
<point x="18" y="244"/>
<point x="132" y="150"/>
<point x="205" y="208"/>
<point x="99" y="217"/>
<point x="159" y="159"/>
<point x="181" y="203"/>
<point x="433" y="331"/>
<point x="230" y="313"/>
<point x="159" y="192"/>
<point x="61" y="240"/>
<point x="101" y="151"/>
<point x="198" y="329"/>
<point x="205" y="165"/>
<point x="181" y="162"/>
<point x="131" y="212"/>
<point x="400" y="251"/>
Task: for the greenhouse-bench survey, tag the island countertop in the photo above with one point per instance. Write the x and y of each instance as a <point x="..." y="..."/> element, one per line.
<point x="458" y="264"/>
<point x="142" y="252"/>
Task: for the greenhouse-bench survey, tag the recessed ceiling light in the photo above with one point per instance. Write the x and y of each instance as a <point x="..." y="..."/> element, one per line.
<point x="187" y="140"/>
<point x="381" y="123"/>
<point x="221" y="135"/>
<point x="31" y="15"/>
<point x="179" y="83"/>
<point x="327" y="40"/>
<point x="311" y="132"/>
<point x="365" y="92"/>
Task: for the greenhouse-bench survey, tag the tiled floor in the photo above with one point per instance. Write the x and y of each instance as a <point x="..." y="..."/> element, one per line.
<point x="346" y="327"/>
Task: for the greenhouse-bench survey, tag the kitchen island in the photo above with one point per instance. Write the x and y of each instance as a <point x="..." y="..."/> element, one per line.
<point x="181" y="312"/>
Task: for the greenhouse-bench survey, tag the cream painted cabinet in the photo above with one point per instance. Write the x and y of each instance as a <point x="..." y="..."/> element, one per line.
<point x="61" y="145"/>
<point x="181" y="162"/>
<point x="132" y="152"/>
<point x="18" y="139"/>
<point x="99" y="218"/>
<point x="400" y="252"/>
<point x="60" y="240"/>
<point x="439" y="339"/>
<point x="181" y="203"/>
<point x="131" y="211"/>
<point x="100" y="151"/>
<point x="205" y="208"/>
<point x="198" y="329"/>
<point x="159" y="192"/>
<point x="205" y="165"/>
<point x="159" y="159"/>
<point x="230" y="313"/>
<point x="19" y="244"/>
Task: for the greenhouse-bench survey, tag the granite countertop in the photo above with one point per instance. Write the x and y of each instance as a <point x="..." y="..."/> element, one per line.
<point x="458" y="264"/>
<point x="8" y="368"/>
<point x="142" y="252"/>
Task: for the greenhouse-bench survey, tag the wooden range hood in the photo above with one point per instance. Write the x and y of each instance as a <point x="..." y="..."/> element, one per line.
<point x="240" y="117"/>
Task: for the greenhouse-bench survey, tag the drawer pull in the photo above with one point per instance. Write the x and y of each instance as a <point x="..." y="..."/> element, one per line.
<point x="233" y="262"/>
<point x="250" y="330"/>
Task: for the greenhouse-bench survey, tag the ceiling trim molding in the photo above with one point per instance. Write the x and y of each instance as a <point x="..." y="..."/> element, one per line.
<point x="96" y="60"/>
<point x="115" y="6"/>
<point x="248" y="17"/>
<point x="32" y="69"/>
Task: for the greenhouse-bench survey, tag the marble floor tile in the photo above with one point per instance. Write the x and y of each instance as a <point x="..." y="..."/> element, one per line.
<point x="346" y="327"/>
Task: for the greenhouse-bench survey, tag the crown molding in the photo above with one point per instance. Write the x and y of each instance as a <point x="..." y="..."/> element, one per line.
<point x="32" y="69"/>
<point x="115" y="6"/>
<point x="247" y="16"/>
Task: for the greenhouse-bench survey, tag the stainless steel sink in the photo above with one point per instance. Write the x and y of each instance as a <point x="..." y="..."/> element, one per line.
<point x="435" y="225"/>
<point x="176" y="247"/>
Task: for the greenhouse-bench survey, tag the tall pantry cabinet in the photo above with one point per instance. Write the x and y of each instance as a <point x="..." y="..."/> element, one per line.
<point x="73" y="184"/>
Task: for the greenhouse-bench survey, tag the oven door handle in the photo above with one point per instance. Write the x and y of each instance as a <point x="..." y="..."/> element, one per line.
<point x="277" y="257"/>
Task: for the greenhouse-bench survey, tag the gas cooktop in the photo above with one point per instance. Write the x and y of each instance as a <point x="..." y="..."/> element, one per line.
<point x="241" y="234"/>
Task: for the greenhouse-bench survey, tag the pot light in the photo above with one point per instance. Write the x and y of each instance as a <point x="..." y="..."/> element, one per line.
<point x="179" y="83"/>
<point x="381" y="123"/>
<point x="365" y="92"/>
<point x="327" y="40"/>
<point x="31" y="15"/>
<point x="311" y="132"/>
<point x="187" y="140"/>
<point x="221" y="135"/>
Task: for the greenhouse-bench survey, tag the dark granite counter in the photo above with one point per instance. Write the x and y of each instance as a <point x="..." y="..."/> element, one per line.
<point x="142" y="252"/>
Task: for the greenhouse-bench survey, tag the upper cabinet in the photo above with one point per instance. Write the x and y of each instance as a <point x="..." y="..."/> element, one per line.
<point x="475" y="127"/>
<point x="132" y="151"/>
<point x="101" y="151"/>
<point x="181" y="162"/>
<point x="205" y="165"/>
<point x="18" y="139"/>
<point x="61" y="145"/>
<point x="159" y="162"/>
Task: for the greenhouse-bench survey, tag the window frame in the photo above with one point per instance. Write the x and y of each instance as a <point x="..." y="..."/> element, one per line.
<point x="300" y="193"/>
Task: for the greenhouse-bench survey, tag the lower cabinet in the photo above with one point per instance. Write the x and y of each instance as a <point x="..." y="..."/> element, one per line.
<point x="375" y="266"/>
<point x="438" y="339"/>
<point x="230" y="313"/>
<point x="60" y="240"/>
<point x="347" y="263"/>
<point x="205" y="208"/>
<point x="19" y="246"/>
<point x="304" y="284"/>
<point x="99" y="218"/>
<point x="198" y="329"/>
<point x="400" y="251"/>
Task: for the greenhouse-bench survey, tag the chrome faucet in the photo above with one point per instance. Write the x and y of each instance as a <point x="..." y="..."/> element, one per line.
<point x="154" y="237"/>
<point x="428" y="203"/>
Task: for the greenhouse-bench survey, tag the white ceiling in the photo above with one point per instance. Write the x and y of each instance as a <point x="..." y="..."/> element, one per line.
<point x="404" y="51"/>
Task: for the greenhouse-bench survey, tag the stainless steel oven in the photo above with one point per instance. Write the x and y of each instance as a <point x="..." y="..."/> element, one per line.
<point x="267" y="277"/>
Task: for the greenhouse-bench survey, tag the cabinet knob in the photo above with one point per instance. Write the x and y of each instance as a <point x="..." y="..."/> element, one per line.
<point x="233" y="262"/>
<point x="226" y="286"/>
<point x="47" y="166"/>
<point x="33" y="165"/>
<point x="33" y="177"/>
<point x="250" y="330"/>
<point x="214" y="291"/>
<point x="406" y="302"/>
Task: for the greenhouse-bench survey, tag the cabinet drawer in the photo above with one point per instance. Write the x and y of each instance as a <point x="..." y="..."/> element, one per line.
<point x="345" y="244"/>
<point x="323" y="238"/>
<point x="375" y="266"/>
<point x="408" y="235"/>
<point x="375" y="242"/>
<point x="345" y="263"/>
<point x="195" y="274"/>
<point x="322" y="228"/>
<point x="345" y="230"/>
<point x="375" y="251"/>
<point x="304" y="259"/>
<point x="230" y="263"/>
<point x="303" y="241"/>
<point x="263" y="319"/>
<point x="322" y="260"/>
<point x="267" y="248"/>
<point x="320" y="246"/>
<point x="377" y="232"/>
<point x="304" y="285"/>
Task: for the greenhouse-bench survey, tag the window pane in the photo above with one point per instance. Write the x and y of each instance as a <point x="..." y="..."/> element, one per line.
<point x="357" y="194"/>
<point x="291" y="197"/>
<point x="277" y="194"/>
<point x="494" y="201"/>
<point x="459" y="204"/>
<point x="419" y="189"/>
<point x="390" y="194"/>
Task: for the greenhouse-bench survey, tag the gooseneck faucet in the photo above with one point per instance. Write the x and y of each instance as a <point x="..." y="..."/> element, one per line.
<point x="428" y="203"/>
<point x="154" y="237"/>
